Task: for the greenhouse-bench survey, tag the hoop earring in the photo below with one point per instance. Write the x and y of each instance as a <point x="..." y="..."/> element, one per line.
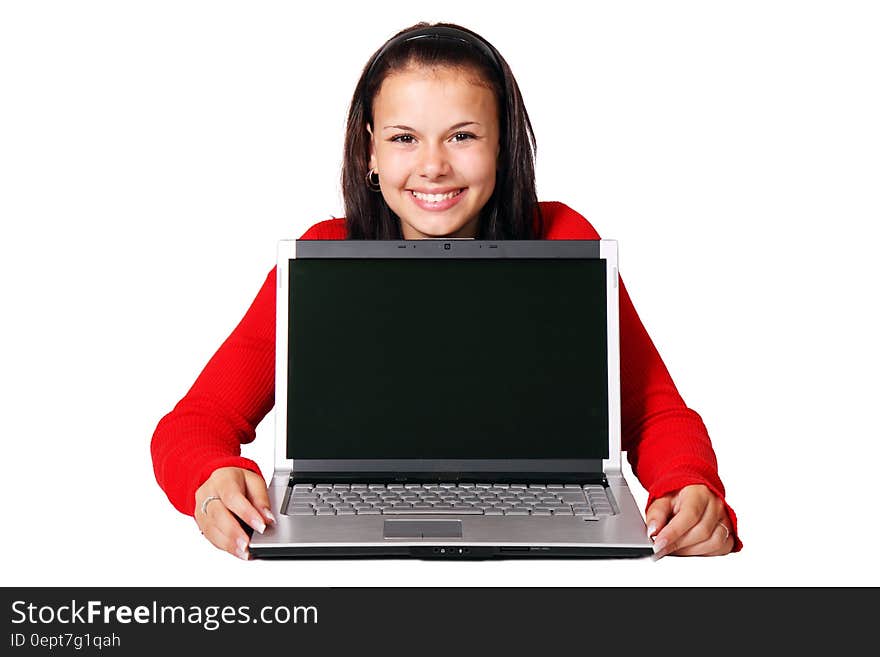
<point x="373" y="181"/>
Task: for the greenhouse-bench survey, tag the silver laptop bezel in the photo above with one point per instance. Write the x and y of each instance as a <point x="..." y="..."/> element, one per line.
<point x="287" y="252"/>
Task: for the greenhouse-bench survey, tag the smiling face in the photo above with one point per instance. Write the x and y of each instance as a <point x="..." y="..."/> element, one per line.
<point x="434" y="145"/>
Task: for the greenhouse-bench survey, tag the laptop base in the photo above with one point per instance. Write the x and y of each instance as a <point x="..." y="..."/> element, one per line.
<point x="452" y="552"/>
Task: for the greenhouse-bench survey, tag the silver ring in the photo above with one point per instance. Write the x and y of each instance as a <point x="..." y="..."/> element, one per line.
<point x="207" y="501"/>
<point x="726" y="530"/>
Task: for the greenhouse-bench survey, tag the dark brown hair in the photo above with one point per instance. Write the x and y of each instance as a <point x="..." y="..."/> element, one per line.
<point x="512" y="211"/>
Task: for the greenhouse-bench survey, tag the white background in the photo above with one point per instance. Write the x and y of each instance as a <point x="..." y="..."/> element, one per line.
<point x="153" y="153"/>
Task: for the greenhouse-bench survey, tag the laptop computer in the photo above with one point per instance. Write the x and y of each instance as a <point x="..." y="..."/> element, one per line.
<point x="449" y="399"/>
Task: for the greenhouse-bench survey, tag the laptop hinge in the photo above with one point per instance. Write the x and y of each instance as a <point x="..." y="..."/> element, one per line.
<point x="448" y="477"/>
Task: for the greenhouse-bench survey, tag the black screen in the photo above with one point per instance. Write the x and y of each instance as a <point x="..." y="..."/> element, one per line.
<point x="447" y="359"/>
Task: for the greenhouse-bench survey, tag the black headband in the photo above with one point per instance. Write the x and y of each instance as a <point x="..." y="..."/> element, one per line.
<point x="440" y="32"/>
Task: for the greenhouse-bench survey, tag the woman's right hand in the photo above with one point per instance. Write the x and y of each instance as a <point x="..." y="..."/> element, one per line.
<point x="233" y="493"/>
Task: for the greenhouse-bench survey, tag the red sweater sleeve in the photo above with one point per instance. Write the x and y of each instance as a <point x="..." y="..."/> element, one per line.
<point x="234" y="391"/>
<point x="666" y="442"/>
<point x="230" y="397"/>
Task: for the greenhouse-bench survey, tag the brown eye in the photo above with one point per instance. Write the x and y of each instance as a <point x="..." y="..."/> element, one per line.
<point x="403" y="139"/>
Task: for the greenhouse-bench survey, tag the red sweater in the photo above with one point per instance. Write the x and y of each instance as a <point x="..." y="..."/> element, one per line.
<point x="666" y="442"/>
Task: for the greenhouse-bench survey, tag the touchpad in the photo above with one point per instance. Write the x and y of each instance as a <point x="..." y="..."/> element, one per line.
<point x="422" y="529"/>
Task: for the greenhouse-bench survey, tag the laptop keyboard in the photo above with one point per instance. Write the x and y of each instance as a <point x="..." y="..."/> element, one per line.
<point x="449" y="499"/>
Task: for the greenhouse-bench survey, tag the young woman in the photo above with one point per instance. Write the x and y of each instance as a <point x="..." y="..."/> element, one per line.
<point x="438" y="144"/>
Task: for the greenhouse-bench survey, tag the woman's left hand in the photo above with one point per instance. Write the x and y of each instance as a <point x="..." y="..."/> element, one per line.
<point x="691" y="521"/>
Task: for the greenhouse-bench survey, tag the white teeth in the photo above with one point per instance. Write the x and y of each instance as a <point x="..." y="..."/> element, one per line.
<point x="435" y="198"/>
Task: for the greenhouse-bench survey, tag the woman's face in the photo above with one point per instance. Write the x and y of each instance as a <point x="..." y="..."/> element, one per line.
<point x="434" y="145"/>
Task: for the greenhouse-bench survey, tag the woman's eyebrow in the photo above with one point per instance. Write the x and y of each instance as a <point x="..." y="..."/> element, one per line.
<point x="457" y="126"/>
<point x="463" y="124"/>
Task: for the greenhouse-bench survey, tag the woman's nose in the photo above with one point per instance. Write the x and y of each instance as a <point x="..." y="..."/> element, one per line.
<point x="434" y="162"/>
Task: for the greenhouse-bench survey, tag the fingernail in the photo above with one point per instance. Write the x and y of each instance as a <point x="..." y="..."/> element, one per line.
<point x="242" y="549"/>
<point x="259" y="525"/>
<point x="268" y="515"/>
<point x="652" y="529"/>
<point x="659" y="544"/>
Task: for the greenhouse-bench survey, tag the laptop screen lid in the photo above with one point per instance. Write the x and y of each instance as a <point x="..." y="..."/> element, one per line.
<point x="439" y="359"/>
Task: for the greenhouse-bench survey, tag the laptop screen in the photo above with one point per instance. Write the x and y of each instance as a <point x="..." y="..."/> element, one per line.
<point x="430" y="358"/>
